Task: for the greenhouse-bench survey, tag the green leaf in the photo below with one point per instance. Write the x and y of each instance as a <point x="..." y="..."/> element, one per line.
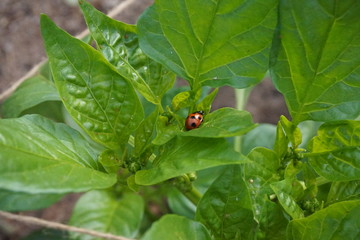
<point x="308" y="130"/>
<point x="20" y="201"/>
<point x="184" y="155"/>
<point x="262" y="170"/>
<point x="261" y="136"/>
<point x="30" y="93"/>
<point x="102" y="211"/>
<point x="53" y="110"/>
<point x="179" y="204"/>
<point x="318" y="76"/>
<point x="40" y="156"/>
<point x="205" y="104"/>
<point x="259" y="174"/>
<point x="338" y="221"/>
<point x="292" y="169"/>
<point x="224" y="122"/>
<point x="226" y="209"/>
<point x="287" y="192"/>
<point x="143" y="135"/>
<point x="335" y="152"/>
<point x="119" y="44"/>
<point x="291" y="131"/>
<point x="176" y="228"/>
<point x="45" y="71"/>
<point x="181" y="100"/>
<point x="281" y="144"/>
<point x="109" y="159"/>
<point x="100" y="100"/>
<point x="341" y="191"/>
<point x="212" y="43"/>
<point x="165" y="131"/>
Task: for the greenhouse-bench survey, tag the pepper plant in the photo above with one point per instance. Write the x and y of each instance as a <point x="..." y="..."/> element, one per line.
<point x="108" y="120"/>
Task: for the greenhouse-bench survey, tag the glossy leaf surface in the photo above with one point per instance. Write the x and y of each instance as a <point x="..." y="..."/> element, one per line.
<point x="341" y="191"/>
<point x="226" y="209"/>
<point x="100" y="100"/>
<point x="335" y="151"/>
<point x="104" y="212"/>
<point x="186" y="154"/>
<point x="259" y="173"/>
<point x="30" y="93"/>
<point x="286" y="194"/>
<point x="176" y="228"/>
<point x="338" y="221"/>
<point x="224" y="122"/>
<point x="165" y="131"/>
<point x="211" y="43"/>
<point x="40" y="156"/>
<point x="119" y="44"/>
<point x="316" y="62"/>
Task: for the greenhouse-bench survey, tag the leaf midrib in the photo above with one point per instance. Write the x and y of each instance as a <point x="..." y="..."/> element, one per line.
<point x="87" y="85"/>
<point x="303" y="101"/>
<point x="143" y="82"/>
<point x="200" y="62"/>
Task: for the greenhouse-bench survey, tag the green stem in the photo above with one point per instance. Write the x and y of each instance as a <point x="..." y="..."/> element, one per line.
<point x="193" y="195"/>
<point x="161" y="109"/>
<point x="242" y="96"/>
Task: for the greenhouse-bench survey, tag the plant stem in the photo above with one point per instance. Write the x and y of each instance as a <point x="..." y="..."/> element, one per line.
<point x="241" y="99"/>
<point x="193" y="195"/>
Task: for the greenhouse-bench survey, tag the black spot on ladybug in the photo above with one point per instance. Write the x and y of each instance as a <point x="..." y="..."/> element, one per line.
<point x="192" y="117"/>
<point x="193" y="124"/>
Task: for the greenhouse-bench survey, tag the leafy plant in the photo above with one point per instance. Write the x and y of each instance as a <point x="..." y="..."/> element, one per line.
<point x="120" y="132"/>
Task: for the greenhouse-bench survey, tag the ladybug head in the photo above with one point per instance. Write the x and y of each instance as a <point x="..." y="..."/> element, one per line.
<point x="199" y="112"/>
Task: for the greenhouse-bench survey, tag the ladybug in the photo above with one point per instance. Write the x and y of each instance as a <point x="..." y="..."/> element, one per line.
<point x="194" y="120"/>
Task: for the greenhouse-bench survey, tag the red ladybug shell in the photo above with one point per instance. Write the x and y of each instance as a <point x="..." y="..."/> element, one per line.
<point x="194" y="120"/>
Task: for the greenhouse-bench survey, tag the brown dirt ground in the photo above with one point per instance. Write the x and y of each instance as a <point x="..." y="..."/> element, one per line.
<point x="21" y="48"/>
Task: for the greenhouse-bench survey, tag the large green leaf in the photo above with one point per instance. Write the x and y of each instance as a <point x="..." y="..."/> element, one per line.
<point x="287" y="192"/>
<point x="259" y="174"/>
<point x="40" y="156"/>
<point x="224" y="122"/>
<point x="119" y="44"/>
<point x="179" y="204"/>
<point x="211" y="43"/>
<point x="261" y="136"/>
<point x="187" y="154"/>
<point x="176" y="228"/>
<point x="20" y="201"/>
<point x="100" y="100"/>
<point x="341" y="191"/>
<point x="316" y="64"/>
<point x="105" y="212"/>
<point x="30" y="93"/>
<point x="143" y="135"/>
<point x="335" y="151"/>
<point x="338" y="221"/>
<point x="226" y="209"/>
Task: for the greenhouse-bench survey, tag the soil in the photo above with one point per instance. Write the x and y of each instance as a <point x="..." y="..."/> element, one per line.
<point x="21" y="48"/>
